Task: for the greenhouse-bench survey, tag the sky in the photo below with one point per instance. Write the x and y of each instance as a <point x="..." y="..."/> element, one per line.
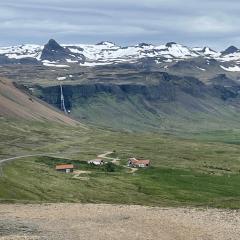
<point x="213" y="23"/>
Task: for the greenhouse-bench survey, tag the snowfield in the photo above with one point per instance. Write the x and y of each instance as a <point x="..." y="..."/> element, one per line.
<point x="108" y="53"/>
<point x="231" y="69"/>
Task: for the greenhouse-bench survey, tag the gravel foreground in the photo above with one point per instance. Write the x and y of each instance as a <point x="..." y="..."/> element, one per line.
<point x="103" y="222"/>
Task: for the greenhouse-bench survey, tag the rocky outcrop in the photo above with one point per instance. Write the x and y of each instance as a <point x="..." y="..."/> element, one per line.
<point x="53" y="52"/>
<point x="230" y="50"/>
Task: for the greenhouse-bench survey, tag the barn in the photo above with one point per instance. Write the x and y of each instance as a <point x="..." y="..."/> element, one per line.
<point x="67" y="168"/>
<point x="133" y="162"/>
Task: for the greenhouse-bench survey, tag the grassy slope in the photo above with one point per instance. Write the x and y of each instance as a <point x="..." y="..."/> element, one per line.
<point x="31" y="180"/>
<point x="134" y="113"/>
<point x="203" y="170"/>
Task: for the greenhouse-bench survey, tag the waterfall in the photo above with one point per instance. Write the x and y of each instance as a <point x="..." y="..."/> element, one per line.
<point x="63" y="108"/>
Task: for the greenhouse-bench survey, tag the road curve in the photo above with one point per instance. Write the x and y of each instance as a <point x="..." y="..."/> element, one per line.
<point x="23" y="156"/>
<point x="19" y="157"/>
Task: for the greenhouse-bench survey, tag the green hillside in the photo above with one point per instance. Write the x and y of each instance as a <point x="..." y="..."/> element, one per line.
<point x="197" y="170"/>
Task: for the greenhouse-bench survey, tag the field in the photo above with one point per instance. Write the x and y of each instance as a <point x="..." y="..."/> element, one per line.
<point x="191" y="169"/>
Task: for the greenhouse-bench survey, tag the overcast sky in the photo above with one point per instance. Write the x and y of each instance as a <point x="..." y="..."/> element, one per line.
<point x="215" y="23"/>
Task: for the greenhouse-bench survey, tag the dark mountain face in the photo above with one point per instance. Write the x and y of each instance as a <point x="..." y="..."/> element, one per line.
<point x="229" y="50"/>
<point x="144" y="45"/>
<point x="53" y="45"/>
<point x="53" y="52"/>
<point x="170" y="44"/>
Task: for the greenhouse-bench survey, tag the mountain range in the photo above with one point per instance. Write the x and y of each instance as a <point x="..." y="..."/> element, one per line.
<point x="136" y="88"/>
<point x="103" y="53"/>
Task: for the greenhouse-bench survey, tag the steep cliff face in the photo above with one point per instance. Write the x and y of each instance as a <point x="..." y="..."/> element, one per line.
<point x="172" y="100"/>
<point x="75" y="93"/>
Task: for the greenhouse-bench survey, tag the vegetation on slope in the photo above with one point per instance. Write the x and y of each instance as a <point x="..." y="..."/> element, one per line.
<point x="198" y="171"/>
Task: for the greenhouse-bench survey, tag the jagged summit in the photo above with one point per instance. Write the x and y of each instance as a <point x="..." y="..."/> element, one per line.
<point x="230" y="50"/>
<point x="52" y="51"/>
<point x="55" y="53"/>
<point x="53" y="45"/>
<point x="144" y="45"/>
<point x="170" y="44"/>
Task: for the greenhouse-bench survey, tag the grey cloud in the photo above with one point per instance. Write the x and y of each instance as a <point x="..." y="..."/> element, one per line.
<point x="190" y="22"/>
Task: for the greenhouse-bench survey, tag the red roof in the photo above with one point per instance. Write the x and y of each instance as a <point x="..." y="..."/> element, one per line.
<point x="136" y="161"/>
<point x="64" y="166"/>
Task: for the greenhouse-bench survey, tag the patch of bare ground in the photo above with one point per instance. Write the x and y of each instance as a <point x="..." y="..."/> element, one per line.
<point x="77" y="174"/>
<point x="15" y="103"/>
<point x="99" y="221"/>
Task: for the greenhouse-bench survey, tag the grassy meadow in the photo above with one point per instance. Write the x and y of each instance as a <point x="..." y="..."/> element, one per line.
<point x="188" y="169"/>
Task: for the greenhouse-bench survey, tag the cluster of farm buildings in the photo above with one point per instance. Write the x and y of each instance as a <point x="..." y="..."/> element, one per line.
<point x="132" y="163"/>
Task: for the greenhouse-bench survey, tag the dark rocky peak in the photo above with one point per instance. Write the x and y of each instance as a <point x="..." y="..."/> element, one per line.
<point x="229" y="50"/>
<point x="170" y="44"/>
<point x="53" y="45"/>
<point x="144" y="45"/>
<point x="52" y="51"/>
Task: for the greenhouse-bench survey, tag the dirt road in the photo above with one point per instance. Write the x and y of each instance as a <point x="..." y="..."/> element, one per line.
<point x="15" y="158"/>
<point x="104" y="156"/>
<point x="103" y="222"/>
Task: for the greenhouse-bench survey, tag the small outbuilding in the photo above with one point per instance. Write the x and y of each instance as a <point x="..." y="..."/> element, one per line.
<point x="138" y="163"/>
<point x="96" y="162"/>
<point x="67" y="168"/>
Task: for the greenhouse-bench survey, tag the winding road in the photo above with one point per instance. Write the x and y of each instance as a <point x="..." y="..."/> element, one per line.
<point x="19" y="157"/>
<point x="104" y="156"/>
<point x="115" y="161"/>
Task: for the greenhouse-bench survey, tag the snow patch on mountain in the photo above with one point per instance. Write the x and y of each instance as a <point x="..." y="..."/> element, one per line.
<point x="202" y="69"/>
<point x="61" y="78"/>
<point x="231" y="69"/>
<point x="109" y="53"/>
<point x="22" y="51"/>
<point x="55" y="65"/>
<point x="230" y="57"/>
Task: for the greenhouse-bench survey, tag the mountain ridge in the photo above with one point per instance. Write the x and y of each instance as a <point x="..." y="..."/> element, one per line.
<point x="137" y="87"/>
<point x="53" y="54"/>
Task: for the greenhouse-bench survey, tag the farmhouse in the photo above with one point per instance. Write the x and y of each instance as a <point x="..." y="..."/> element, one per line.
<point x="67" y="168"/>
<point x="97" y="161"/>
<point x="133" y="162"/>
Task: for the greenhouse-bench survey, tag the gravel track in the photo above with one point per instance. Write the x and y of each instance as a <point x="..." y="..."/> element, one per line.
<point x="120" y="222"/>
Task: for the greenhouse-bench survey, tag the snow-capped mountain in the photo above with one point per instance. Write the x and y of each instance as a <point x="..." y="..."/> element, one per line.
<point x="22" y="51"/>
<point x="55" y="55"/>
